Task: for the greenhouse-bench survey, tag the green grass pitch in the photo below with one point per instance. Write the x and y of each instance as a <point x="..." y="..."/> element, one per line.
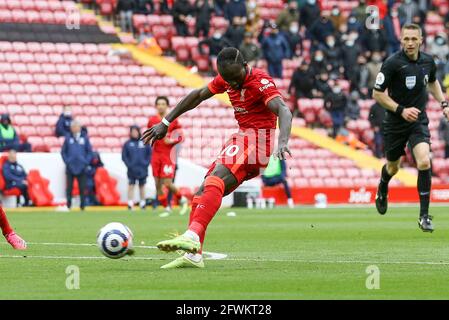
<point x="305" y="253"/>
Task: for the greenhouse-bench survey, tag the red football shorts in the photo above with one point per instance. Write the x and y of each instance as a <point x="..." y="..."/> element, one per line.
<point x="246" y="153"/>
<point x="162" y="167"/>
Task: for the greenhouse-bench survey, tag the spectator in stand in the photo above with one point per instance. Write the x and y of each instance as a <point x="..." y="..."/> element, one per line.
<point x="293" y="38"/>
<point x="235" y="32"/>
<point x="182" y="13"/>
<point x="275" y="48"/>
<point x="64" y="121"/>
<point x="359" y="77"/>
<point x="15" y="176"/>
<point x="309" y="13"/>
<point x="373" y="67"/>
<point x="350" y="51"/>
<point x="235" y="8"/>
<point x="353" y="108"/>
<point x="144" y="7"/>
<point x="8" y="135"/>
<point x="301" y="85"/>
<point x="374" y="40"/>
<point x="215" y="43"/>
<point x="204" y="9"/>
<point x="438" y="46"/>
<point x="136" y="156"/>
<point x="219" y="6"/>
<point x="392" y="39"/>
<point x="353" y="24"/>
<point x="25" y="146"/>
<point x="166" y="6"/>
<point x="77" y="155"/>
<point x="287" y="16"/>
<point x="376" y="117"/>
<point x="407" y="11"/>
<point x="126" y="8"/>
<point x="91" y="170"/>
<point x="321" y="28"/>
<point x="335" y="103"/>
<point x="337" y="18"/>
<point x="250" y="50"/>
<point x="253" y="17"/>
<point x="443" y="134"/>
<point x="275" y="173"/>
<point x="321" y="87"/>
<point x="446" y="22"/>
<point x="359" y="12"/>
<point x="319" y="63"/>
<point x="334" y="56"/>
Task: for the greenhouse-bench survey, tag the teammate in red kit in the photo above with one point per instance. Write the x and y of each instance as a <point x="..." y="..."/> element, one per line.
<point x="13" y="239"/>
<point x="256" y="103"/>
<point x="163" y="161"/>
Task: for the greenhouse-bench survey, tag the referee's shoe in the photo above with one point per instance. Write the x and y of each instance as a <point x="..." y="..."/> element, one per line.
<point x="381" y="202"/>
<point x="425" y="223"/>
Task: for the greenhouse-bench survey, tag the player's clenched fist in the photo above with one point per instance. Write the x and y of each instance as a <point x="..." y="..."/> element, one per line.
<point x="410" y="114"/>
<point x="156" y="132"/>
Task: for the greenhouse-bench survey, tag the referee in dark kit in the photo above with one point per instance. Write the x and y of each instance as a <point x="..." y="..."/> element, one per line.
<point x="406" y="75"/>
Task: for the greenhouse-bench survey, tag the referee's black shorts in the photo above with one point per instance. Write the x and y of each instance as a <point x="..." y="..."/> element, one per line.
<point x="396" y="138"/>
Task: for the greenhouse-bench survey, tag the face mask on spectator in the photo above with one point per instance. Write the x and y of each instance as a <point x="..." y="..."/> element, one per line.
<point x="252" y="5"/>
<point x="319" y="58"/>
<point x="350" y="43"/>
<point x="336" y="90"/>
<point x="408" y="1"/>
<point x="439" y="40"/>
<point x="217" y="36"/>
<point x="68" y="113"/>
<point x="335" y="12"/>
<point x="331" y="43"/>
<point x="377" y="59"/>
<point x="311" y="2"/>
<point x="294" y="29"/>
<point x="352" y="20"/>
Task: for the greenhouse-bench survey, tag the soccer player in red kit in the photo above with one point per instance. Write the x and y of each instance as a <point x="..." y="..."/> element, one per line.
<point x="13" y="239"/>
<point x="257" y="104"/>
<point x="163" y="160"/>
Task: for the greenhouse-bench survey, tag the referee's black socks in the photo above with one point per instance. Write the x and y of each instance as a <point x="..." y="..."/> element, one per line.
<point x="384" y="180"/>
<point x="424" y="183"/>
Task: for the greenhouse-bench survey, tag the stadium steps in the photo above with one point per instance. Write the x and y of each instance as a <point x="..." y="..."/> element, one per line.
<point x="187" y="79"/>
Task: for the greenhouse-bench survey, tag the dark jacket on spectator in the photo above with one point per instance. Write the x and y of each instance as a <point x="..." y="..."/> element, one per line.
<point x="308" y="15"/>
<point x="215" y="45"/>
<point x="125" y="5"/>
<point x="234" y="35"/>
<point x="235" y="8"/>
<point x="182" y="7"/>
<point x="374" y="40"/>
<point x="76" y="153"/>
<point x="144" y="6"/>
<point x="349" y="55"/>
<point x="63" y="125"/>
<point x="320" y="29"/>
<point x="302" y="82"/>
<point x="335" y="102"/>
<point x="14" y="174"/>
<point x="136" y="156"/>
<point x="250" y="52"/>
<point x="275" y="48"/>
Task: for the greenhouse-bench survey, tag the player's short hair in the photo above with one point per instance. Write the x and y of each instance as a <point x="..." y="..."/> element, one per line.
<point x="162" y="98"/>
<point x="230" y="56"/>
<point x="412" y="26"/>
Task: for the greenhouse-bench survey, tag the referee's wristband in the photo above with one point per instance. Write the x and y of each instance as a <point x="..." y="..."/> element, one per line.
<point x="399" y="110"/>
<point x="165" y="121"/>
<point x="444" y="104"/>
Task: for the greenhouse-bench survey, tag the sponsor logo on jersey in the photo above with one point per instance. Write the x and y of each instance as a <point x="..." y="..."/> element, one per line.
<point x="266" y="85"/>
<point x="240" y="110"/>
<point x="410" y="82"/>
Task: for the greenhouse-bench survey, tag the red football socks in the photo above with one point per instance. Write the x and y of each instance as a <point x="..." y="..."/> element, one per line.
<point x="195" y="202"/>
<point x="208" y="205"/>
<point x="4" y="224"/>
<point x="163" y="200"/>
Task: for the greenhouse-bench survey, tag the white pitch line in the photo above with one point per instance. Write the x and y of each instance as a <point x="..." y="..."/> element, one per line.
<point x="207" y="255"/>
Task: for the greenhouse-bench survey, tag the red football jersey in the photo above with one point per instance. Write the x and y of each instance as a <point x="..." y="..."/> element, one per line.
<point x="160" y="147"/>
<point x="250" y="103"/>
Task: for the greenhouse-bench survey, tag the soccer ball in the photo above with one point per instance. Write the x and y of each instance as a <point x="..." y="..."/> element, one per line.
<point x="115" y="240"/>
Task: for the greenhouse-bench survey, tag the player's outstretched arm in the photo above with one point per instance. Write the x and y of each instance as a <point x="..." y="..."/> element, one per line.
<point x="189" y="102"/>
<point x="278" y="106"/>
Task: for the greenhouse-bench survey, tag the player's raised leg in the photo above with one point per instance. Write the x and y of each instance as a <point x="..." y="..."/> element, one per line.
<point x="421" y="153"/>
<point x="388" y="171"/>
<point x="13" y="239"/>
